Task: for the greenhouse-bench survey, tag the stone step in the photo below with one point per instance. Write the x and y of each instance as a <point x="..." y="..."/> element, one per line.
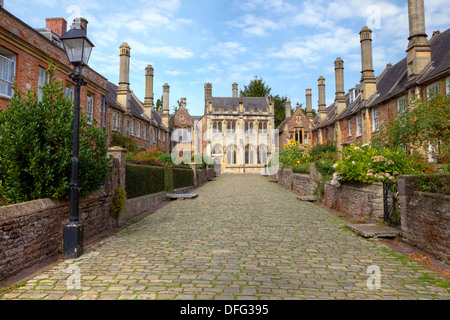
<point x="182" y="196"/>
<point x="310" y="198"/>
<point x="374" y="231"/>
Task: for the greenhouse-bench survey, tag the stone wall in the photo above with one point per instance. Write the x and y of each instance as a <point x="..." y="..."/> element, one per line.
<point x="361" y="202"/>
<point x="425" y="217"/>
<point x="32" y="232"/>
<point x="138" y="206"/>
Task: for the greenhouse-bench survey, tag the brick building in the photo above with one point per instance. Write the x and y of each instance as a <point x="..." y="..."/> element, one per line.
<point x="25" y="54"/>
<point x="296" y="126"/>
<point x="376" y="99"/>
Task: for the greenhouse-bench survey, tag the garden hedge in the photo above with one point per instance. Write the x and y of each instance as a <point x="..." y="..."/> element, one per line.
<point x="182" y="177"/>
<point x="142" y="180"/>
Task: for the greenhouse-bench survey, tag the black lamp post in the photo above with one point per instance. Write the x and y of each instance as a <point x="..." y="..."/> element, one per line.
<point x="78" y="49"/>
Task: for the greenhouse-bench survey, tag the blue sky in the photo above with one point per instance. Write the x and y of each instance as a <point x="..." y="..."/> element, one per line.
<point x="288" y="43"/>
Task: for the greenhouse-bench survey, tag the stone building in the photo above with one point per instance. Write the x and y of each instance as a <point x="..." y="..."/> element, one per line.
<point x="127" y="115"/>
<point x="358" y="116"/>
<point x="237" y="131"/>
<point x="25" y="55"/>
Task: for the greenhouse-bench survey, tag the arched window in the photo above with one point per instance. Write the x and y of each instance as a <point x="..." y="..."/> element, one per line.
<point x="214" y="127"/>
<point x="246" y="127"/>
<point x="228" y="127"/>
<point x="219" y="127"/>
<point x="260" y="127"/>
<point x="262" y="154"/>
<point x="249" y="154"/>
<point x="231" y="154"/>
<point x="251" y="127"/>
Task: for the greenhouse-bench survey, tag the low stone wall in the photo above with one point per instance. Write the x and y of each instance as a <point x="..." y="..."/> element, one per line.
<point x="138" y="206"/>
<point x="362" y="202"/>
<point x="425" y="217"/>
<point x="31" y="232"/>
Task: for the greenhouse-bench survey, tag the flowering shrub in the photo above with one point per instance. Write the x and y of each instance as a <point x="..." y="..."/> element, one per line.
<point x="150" y="155"/>
<point x="364" y="163"/>
<point x="293" y="155"/>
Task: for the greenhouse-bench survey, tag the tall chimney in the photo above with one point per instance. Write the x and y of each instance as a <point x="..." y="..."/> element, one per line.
<point x="287" y="106"/>
<point x="418" y="52"/>
<point x="148" y="100"/>
<point x="165" y="109"/>
<point x="235" y="90"/>
<point x="368" y="80"/>
<point x="208" y="92"/>
<point x="183" y="103"/>
<point x="123" y="92"/>
<point x="340" y="100"/>
<point x="322" y="101"/>
<point x="309" y="113"/>
<point x="57" y="25"/>
<point x="80" y="23"/>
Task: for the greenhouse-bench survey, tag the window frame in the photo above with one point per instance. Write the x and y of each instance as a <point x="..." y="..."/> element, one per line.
<point x="349" y="124"/>
<point x="358" y="125"/>
<point x="90" y="108"/>
<point x="43" y="78"/>
<point x="9" y="88"/>
<point x="115" y="121"/>
<point x="132" y="127"/>
<point x="375" y="119"/>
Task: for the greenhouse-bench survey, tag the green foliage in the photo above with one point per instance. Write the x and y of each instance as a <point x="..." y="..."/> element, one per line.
<point x="256" y="88"/>
<point x="151" y="155"/>
<point x="118" y="203"/>
<point x="301" y="168"/>
<point x="143" y="180"/>
<point x="365" y="163"/>
<point x="279" y="109"/>
<point x="202" y="165"/>
<point x="182" y="178"/>
<point x="166" y="158"/>
<point x="292" y="155"/>
<point x="327" y="150"/>
<point x="418" y="127"/>
<point x="36" y="147"/>
<point x="119" y="140"/>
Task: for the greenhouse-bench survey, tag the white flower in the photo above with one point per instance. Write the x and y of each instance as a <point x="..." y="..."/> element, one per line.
<point x="335" y="165"/>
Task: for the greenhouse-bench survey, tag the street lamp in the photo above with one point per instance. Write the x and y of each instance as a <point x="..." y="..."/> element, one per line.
<point x="78" y="49"/>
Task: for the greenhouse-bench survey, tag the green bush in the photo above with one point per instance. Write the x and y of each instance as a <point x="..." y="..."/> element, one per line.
<point x="36" y="147"/>
<point x="166" y="158"/>
<point x="142" y="180"/>
<point x="324" y="151"/>
<point x="118" y="204"/>
<point x="202" y="165"/>
<point x="182" y="178"/>
<point x="301" y="168"/>
<point x="117" y="139"/>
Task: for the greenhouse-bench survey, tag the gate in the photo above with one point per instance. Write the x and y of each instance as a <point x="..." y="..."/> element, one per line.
<point x="390" y="204"/>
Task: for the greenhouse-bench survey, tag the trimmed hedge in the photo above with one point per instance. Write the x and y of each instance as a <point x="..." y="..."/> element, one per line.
<point x="143" y="180"/>
<point x="182" y="178"/>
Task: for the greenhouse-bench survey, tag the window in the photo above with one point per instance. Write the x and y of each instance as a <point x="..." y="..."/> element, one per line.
<point x="375" y="119"/>
<point x="164" y="137"/>
<point x="159" y="134"/>
<point x="70" y="91"/>
<point x="250" y="127"/>
<point x="138" y="131"/>
<point x="349" y="128"/>
<point x="358" y="125"/>
<point x="231" y="154"/>
<point x="431" y="89"/>
<point x="219" y="127"/>
<point x="231" y="127"/>
<point x="326" y="133"/>
<point x="115" y="121"/>
<point x="262" y="128"/>
<point x="154" y="135"/>
<point x="90" y="108"/>
<point x="249" y="154"/>
<point x="447" y="85"/>
<point x="132" y="127"/>
<point x="401" y="105"/>
<point x="145" y="133"/>
<point x="7" y="72"/>
<point x="43" y="78"/>
<point x="262" y="154"/>
<point x="298" y="119"/>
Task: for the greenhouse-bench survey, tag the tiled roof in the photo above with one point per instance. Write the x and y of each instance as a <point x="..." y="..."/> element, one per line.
<point x="233" y="103"/>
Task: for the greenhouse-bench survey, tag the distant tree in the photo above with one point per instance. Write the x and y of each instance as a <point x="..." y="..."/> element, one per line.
<point x="314" y="112"/>
<point x="279" y="109"/>
<point x="159" y="104"/>
<point x="256" y="88"/>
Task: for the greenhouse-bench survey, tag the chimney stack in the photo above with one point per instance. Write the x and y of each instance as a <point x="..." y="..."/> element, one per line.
<point x="309" y="113"/>
<point x="123" y="92"/>
<point x="57" y="25"/>
<point x="2" y="3"/>
<point x="148" y="100"/>
<point x="165" y="109"/>
<point x="183" y="103"/>
<point x="208" y="92"/>
<point x="80" y="23"/>
<point x="287" y="106"/>
<point x="322" y="101"/>
<point x="368" y="80"/>
<point x="235" y="90"/>
<point x="418" y="52"/>
<point x="340" y="100"/>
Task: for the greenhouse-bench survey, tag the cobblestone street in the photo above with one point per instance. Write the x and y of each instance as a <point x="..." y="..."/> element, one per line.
<point x="242" y="238"/>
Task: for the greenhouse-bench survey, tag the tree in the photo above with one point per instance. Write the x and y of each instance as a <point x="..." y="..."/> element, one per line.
<point x="159" y="104"/>
<point x="423" y="125"/>
<point x="36" y="147"/>
<point x="256" y="88"/>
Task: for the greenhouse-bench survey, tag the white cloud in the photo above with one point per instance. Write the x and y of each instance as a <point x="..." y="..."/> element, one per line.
<point x="174" y="72"/>
<point x="227" y="49"/>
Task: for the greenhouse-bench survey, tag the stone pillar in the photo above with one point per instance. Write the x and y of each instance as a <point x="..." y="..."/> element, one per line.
<point x="208" y="93"/>
<point x="368" y="81"/>
<point x="340" y="99"/>
<point x="322" y="101"/>
<point x="165" y="110"/>
<point x="309" y="113"/>
<point x="287" y="106"/>
<point x="123" y="92"/>
<point x="418" y="51"/>
<point x="119" y="154"/>
<point x="235" y="90"/>
<point x="148" y="100"/>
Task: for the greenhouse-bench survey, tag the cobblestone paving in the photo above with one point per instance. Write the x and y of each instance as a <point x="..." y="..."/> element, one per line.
<point x="242" y="238"/>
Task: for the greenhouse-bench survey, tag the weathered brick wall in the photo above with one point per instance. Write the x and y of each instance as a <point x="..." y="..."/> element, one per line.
<point x="425" y="217"/>
<point x="360" y="201"/>
<point x="31" y="232"/>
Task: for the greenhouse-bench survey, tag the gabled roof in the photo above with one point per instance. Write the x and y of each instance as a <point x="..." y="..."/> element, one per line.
<point x="287" y="120"/>
<point x="440" y="56"/>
